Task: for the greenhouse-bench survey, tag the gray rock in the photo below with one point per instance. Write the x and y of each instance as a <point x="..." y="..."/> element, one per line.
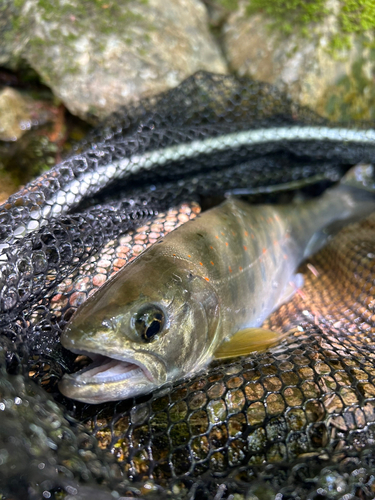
<point x="97" y="56"/>
<point x="12" y="39"/>
<point x="335" y="83"/>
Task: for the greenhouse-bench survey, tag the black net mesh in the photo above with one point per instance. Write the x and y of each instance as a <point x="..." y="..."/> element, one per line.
<point x="294" y="422"/>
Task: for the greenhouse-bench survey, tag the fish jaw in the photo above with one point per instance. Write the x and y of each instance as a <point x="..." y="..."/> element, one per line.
<point x="112" y="375"/>
<point x="110" y="381"/>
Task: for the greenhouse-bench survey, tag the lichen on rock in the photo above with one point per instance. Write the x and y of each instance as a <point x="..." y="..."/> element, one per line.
<point x="99" y="55"/>
<point x="310" y="49"/>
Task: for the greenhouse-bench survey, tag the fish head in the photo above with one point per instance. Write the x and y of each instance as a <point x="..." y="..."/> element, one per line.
<point x="153" y="322"/>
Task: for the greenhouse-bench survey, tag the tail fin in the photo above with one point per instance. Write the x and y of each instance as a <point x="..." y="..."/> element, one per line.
<point x="350" y="201"/>
<point x="362" y="177"/>
<point x="357" y="193"/>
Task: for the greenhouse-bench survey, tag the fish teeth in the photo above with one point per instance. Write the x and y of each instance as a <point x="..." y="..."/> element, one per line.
<point x="105" y="369"/>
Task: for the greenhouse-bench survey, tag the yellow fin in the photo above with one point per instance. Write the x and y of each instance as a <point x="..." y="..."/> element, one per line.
<point x="248" y="340"/>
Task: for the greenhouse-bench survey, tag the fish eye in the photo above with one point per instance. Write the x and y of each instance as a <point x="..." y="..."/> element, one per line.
<point x="149" y="322"/>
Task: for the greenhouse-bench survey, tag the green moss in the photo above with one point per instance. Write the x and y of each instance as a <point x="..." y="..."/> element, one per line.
<point x="339" y="42"/>
<point x="47" y="6"/>
<point x="297" y="16"/>
<point x="286" y="16"/>
<point x="357" y="16"/>
<point x="13" y="17"/>
<point x="351" y="98"/>
<point x="79" y="18"/>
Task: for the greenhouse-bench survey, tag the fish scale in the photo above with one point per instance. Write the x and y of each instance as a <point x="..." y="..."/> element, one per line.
<point x="117" y="253"/>
<point x="240" y="411"/>
<point x="312" y="394"/>
<point x="190" y="461"/>
<point x="73" y="291"/>
<point x="197" y="290"/>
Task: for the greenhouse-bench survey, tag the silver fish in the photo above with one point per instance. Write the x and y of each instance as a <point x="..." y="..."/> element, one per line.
<point x="196" y="291"/>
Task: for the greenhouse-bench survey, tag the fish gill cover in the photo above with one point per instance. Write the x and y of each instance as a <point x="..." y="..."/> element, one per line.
<point x="294" y="422"/>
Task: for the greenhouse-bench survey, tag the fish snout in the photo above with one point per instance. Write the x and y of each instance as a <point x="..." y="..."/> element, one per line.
<point x="115" y="375"/>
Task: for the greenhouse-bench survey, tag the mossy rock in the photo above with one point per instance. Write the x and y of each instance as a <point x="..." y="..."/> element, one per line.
<point x="99" y="55"/>
<point x="321" y="52"/>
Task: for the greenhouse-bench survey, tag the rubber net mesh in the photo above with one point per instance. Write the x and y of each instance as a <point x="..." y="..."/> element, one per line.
<point x="294" y="422"/>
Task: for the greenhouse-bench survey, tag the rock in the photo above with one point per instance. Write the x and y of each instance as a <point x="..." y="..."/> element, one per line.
<point x="15" y="115"/>
<point x="12" y="40"/>
<point x="34" y="135"/>
<point x="97" y="56"/>
<point x="20" y="112"/>
<point x="7" y="185"/>
<point x="327" y="65"/>
<point x="218" y="11"/>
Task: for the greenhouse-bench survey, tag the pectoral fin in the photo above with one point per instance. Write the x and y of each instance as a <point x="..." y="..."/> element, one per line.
<point x="248" y="340"/>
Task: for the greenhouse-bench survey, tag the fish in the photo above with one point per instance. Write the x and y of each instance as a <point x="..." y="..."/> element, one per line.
<point x="309" y="400"/>
<point x="119" y="251"/>
<point x="334" y="367"/>
<point x="162" y="317"/>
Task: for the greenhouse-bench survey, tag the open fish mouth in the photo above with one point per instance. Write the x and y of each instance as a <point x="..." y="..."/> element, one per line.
<point x="107" y="379"/>
<point x="104" y="369"/>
